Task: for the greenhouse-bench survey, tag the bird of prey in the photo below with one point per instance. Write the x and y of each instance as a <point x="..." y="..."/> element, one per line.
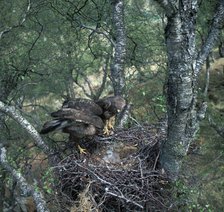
<point x="79" y="118"/>
<point x="111" y="106"/>
<point x="83" y="117"/>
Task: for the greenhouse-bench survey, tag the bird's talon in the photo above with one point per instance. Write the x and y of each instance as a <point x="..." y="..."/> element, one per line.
<point x="110" y="127"/>
<point x="82" y="150"/>
<point x="106" y="131"/>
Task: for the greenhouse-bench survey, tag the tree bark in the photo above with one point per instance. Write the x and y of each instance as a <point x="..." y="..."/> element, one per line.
<point x="117" y="66"/>
<point x="183" y="69"/>
<point x="24" y="186"/>
<point x="11" y="111"/>
<point x="14" y="114"/>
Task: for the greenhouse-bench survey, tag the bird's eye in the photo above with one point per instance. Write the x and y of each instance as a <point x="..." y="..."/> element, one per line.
<point x="118" y="110"/>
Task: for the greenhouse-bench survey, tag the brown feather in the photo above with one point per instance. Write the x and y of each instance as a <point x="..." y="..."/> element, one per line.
<point x="83" y="117"/>
<point x="111" y="105"/>
<point x="79" y="116"/>
<point x="84" y="105"/>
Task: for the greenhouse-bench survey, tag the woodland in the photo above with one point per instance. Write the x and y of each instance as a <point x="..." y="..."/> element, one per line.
<point x="164" y="57"/>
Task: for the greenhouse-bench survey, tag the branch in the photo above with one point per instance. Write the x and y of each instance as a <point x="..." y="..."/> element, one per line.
<point x="213" y="34"/>
<point x="168" y="6"/>
<point x="109" y="184"/>
<point x="80" y="85"/>
<point x="20" y="22"/>
<point x="24" y="186"/>
<point x="14" y="114"/>
<point x="124" y="198"/>
<point x="219" y="130"/>
<point x="104" y="80"/>
<point x="96" y="30"/>
<point x="37" y="38"/>
<point x="123" y="116"/>
<point x="207" y="79"/>
<point x="202" y="111"/>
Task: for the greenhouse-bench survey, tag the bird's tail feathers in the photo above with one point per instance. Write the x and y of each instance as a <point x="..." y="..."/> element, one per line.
<point x="53" y="125"/>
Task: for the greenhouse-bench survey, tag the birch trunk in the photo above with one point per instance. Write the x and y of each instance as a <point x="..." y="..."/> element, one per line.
<point x="117" y="66"/>
<point x="184" y="64"/>
<point x="180" y="42"/>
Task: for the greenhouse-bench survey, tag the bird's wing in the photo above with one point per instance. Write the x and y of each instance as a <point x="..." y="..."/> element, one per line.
<point x="85" y="105"/>
<point x="81" y="129"/>
<point x="79" y="116"/>
<point x="55" y="124"/>
<point x="104" y="103"/>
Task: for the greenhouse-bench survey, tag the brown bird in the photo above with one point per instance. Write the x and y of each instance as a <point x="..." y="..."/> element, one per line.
<point x="79" y="118"/>
<point x="83" y="117"/>
<point x="111" y="106"/>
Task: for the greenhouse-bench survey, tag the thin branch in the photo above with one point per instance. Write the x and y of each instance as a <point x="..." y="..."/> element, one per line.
<point x="110" y="184"/>
<point x="214" y="32"/>
<point x="88" y="84"/>
<point x="156" y="161"/>
<point x="37" y="38"/>
<point x="80" y="85"/>
<point x="168" y="6"/>
<point x="24" y="186"/>
<point x="95" y="30"/>
<point x="104" y="80"/>
<point x="124" y="198"/>
<point x="219" y="130"/>
<point x="207" y="79"/>
<point x="20" y="22"/>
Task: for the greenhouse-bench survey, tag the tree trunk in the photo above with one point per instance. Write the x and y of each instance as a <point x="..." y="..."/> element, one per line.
<point x="117" y="66"/>
<point x="180" y="41"/>
<point x="184" y="65"/>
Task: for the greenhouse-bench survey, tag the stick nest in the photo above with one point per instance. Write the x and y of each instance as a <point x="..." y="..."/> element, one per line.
<point x="120" y="173"/>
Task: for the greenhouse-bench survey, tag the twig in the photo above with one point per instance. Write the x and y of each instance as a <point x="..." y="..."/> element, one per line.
<point x="156" y="160"/>
<point x="127" y="200"/>
<point x="20" y="22"/>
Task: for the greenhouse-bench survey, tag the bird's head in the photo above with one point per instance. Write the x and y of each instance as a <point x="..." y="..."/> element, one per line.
<point x="119" y="103"/>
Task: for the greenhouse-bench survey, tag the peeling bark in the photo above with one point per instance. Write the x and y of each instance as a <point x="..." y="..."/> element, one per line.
<point x="24" y="186"/>
<point x="184" y="64"/>
<point x="180" y="41"/>
<point x="117" y="66"/>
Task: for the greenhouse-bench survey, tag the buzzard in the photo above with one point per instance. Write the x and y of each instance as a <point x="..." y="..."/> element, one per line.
<point x="111" y="106"/>
<point x="83" y="117"/>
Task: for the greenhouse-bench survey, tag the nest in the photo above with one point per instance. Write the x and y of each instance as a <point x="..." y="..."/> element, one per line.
<point x="121" y="173"/>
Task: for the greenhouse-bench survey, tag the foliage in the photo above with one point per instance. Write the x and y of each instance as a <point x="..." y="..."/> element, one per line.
<point x="187" y="198"/>
<point x="64" y="48"/>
